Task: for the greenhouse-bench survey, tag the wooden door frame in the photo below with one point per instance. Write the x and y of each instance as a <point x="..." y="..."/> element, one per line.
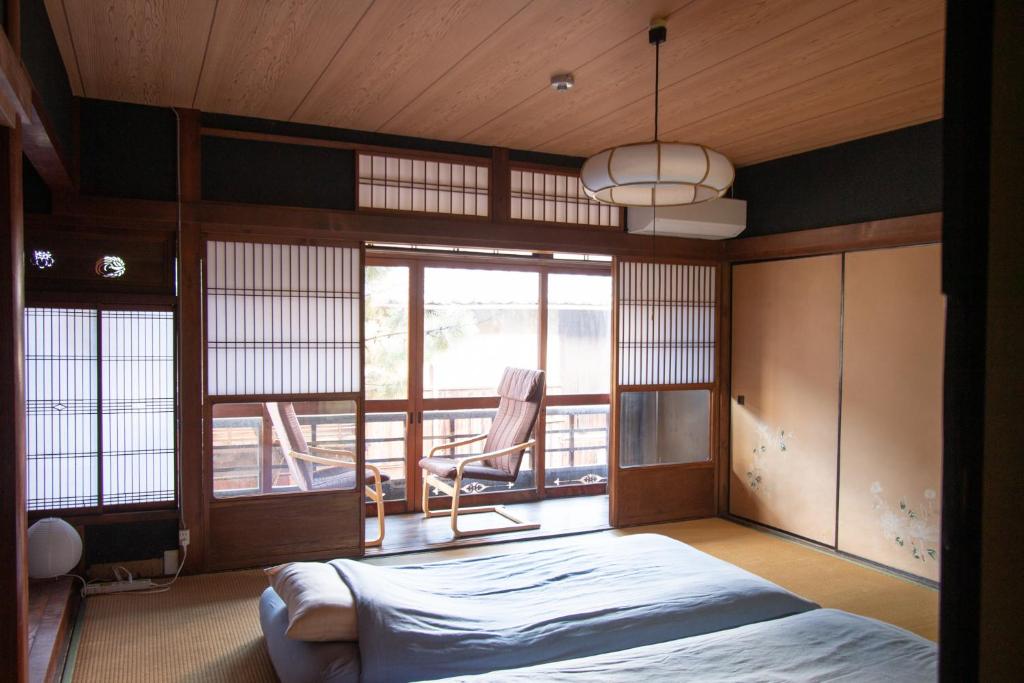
<point x="711" y="466"/>
<point x="415" y="403"/>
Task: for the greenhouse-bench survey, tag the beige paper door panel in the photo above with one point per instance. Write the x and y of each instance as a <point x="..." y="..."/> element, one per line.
<point x="891" y="447"/>
<point x="785" y="364"/>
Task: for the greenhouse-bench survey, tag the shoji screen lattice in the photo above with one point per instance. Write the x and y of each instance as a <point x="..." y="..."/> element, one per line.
<point x="422" y="185"/>
<point x="99" y="398"/>
<point x="557" y="198"/>
<point x="282" y="319"/>
<point x="666" y="324"/>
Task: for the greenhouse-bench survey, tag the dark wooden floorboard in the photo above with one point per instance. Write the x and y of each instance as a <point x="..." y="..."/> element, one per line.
<point x="557" y="517"/>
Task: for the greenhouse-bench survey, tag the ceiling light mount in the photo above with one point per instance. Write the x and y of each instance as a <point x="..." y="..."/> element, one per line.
<point x="656" y="173"/>
<point x="562" y="82"/>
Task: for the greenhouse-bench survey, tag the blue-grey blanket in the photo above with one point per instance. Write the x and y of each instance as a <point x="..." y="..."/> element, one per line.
<point x="587" y="596"/>
<point x="821" y="645"/>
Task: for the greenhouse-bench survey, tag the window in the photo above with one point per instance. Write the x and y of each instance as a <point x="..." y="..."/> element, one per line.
<point x="387" y="332"/>
<point x="576" y="445"/>
<point x="282" y="319"/>
<point x="100" y="407"/>
<point x="579" y="334"/>
<point x="661" y="427"/>
<point x="557" y="198"/>
<point x="477" y="323"/>
<point x="249" y="454"/>
<point x="666" y="323"/>
<point x="422" y="185"/>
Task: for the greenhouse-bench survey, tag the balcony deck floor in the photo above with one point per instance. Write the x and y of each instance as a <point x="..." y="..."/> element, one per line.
<point x="409" y="533"/>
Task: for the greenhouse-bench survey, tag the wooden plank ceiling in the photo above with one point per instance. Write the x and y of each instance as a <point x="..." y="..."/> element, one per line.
<point x="756" y="79"/>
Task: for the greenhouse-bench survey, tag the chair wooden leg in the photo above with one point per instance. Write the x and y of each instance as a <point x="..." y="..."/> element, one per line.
<point x="426" y="495"/>
<point x="377" y="495"/>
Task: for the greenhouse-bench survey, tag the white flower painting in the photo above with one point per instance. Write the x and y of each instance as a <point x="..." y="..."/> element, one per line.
<point x="770" y="444"/>
<point x="915" y="528"/>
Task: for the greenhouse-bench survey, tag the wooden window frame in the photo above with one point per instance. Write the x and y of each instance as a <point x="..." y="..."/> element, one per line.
<point x="115" y="302"/>
<point x="414" y="405"/>
<point x="558" y="171"/>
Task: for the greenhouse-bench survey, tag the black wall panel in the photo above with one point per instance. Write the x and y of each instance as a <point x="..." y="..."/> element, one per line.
<point x="129" y="542"/>
<point x="128" y="150"/>
<point x="259" y="172"/>
<point x="883" y="176"/>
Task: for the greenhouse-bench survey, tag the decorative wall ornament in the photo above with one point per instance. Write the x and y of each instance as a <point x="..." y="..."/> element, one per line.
<point x="913" y="528"/>
<point x="110" y="266"/>
<point x="769" y="443"/>
<point x="43" y="259"/>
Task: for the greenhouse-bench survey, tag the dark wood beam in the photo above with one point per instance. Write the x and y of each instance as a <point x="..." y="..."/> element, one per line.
<point x="15" y="85"/>
<point x="44" y="151"/>
<point x="13" y="515"/>
<point x="191" y="486"/>
<point x="925" y="228"/>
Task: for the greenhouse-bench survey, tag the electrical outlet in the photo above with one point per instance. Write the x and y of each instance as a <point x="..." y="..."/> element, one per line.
<point x="183" y="537"/>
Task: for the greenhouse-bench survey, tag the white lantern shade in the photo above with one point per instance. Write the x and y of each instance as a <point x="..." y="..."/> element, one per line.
<point x="656" y="174"/>
<point x="54" y="548"/>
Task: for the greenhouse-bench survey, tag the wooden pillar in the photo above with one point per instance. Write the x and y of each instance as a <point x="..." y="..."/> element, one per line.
<point x="190" y="344"/>
<point x="500" y="186"/>
<point x="13" y="517"/>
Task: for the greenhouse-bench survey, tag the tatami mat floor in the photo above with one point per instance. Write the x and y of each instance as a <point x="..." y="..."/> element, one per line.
<point x="206" y="628"/>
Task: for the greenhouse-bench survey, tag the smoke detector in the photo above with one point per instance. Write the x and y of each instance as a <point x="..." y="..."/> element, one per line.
<point x="562" y="82"/>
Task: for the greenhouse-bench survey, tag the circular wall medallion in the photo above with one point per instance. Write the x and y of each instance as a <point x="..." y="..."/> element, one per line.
<point x="110" y="266"/>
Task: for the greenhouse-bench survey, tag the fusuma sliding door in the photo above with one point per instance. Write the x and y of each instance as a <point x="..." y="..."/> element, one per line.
<point x="891" y="449"/>
<point x="284" y="379"/>
<point x="665" y="389"/>
<point x="785" y="394"/>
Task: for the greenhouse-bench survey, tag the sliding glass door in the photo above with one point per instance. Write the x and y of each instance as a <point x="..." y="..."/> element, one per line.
<point x="440" y="330"/>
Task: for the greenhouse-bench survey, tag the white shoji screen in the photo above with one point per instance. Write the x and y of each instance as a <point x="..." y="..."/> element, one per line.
<point x="86" y="369"/>
<point x="282" y="319"/>
<point x="557" y="198"/>
<point x="406" y="184"/>
<point x="666" y="324"/>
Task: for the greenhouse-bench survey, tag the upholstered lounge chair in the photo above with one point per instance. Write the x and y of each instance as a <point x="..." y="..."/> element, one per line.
<point x="520" y="392"/>
<point x="337" y="468"/>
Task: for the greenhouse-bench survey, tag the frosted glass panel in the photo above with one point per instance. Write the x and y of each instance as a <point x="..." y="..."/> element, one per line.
<point x="282" y="319"/>
<point x="666" y="323"/>
<point x="662" y="427"/>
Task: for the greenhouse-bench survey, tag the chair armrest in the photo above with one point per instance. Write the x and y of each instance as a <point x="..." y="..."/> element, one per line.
<point x="320" y="460"/>
<point x="493" y="454"/>
<point x="332" y="452"/>
<point x="456" y="444"/>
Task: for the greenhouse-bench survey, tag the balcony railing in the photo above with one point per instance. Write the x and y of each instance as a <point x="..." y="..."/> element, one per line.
<point x="576" y="448"/>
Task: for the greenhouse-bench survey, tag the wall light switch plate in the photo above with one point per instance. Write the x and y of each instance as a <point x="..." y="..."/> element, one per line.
<point x="170" y="562"/>
<point x="183" y="537"/>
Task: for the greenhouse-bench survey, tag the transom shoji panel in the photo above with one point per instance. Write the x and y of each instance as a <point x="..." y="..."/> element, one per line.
<point x="282" y="319"/>
<point x="421" y="185"/>
<point x="557" y="198"/>
<point x="666" y="326"/>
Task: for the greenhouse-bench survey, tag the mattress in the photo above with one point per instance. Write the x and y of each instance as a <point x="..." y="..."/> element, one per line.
<point x="296" y="661"/>
<point x="820" y="645"/>
<point x="586" y="596"/>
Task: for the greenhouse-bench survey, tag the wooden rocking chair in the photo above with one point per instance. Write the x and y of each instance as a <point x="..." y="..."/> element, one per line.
<point x="521" y="392"/>
<point x="338" y="467"/>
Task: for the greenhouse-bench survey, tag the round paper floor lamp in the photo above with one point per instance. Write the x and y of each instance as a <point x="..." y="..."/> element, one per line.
<point x="54" y="548"/>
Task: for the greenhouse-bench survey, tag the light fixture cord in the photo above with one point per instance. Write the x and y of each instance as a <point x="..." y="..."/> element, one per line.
<point x="657" y="85"/>
<point x="654" y="203"/>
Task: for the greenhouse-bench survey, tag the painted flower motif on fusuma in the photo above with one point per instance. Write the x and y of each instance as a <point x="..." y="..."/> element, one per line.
<point x="914" y="528"/>
<point x="768" y="454"/>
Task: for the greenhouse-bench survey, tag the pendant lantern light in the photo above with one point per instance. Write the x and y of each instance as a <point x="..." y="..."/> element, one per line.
<point x="656" y="173"/>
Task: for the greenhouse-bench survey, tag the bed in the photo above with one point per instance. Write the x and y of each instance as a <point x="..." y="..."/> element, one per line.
<point x="820" y="645"/>
<point x="586" y="596"/>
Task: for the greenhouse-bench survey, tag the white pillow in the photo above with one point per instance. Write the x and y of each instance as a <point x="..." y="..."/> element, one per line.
<point x="320" y="605"/>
